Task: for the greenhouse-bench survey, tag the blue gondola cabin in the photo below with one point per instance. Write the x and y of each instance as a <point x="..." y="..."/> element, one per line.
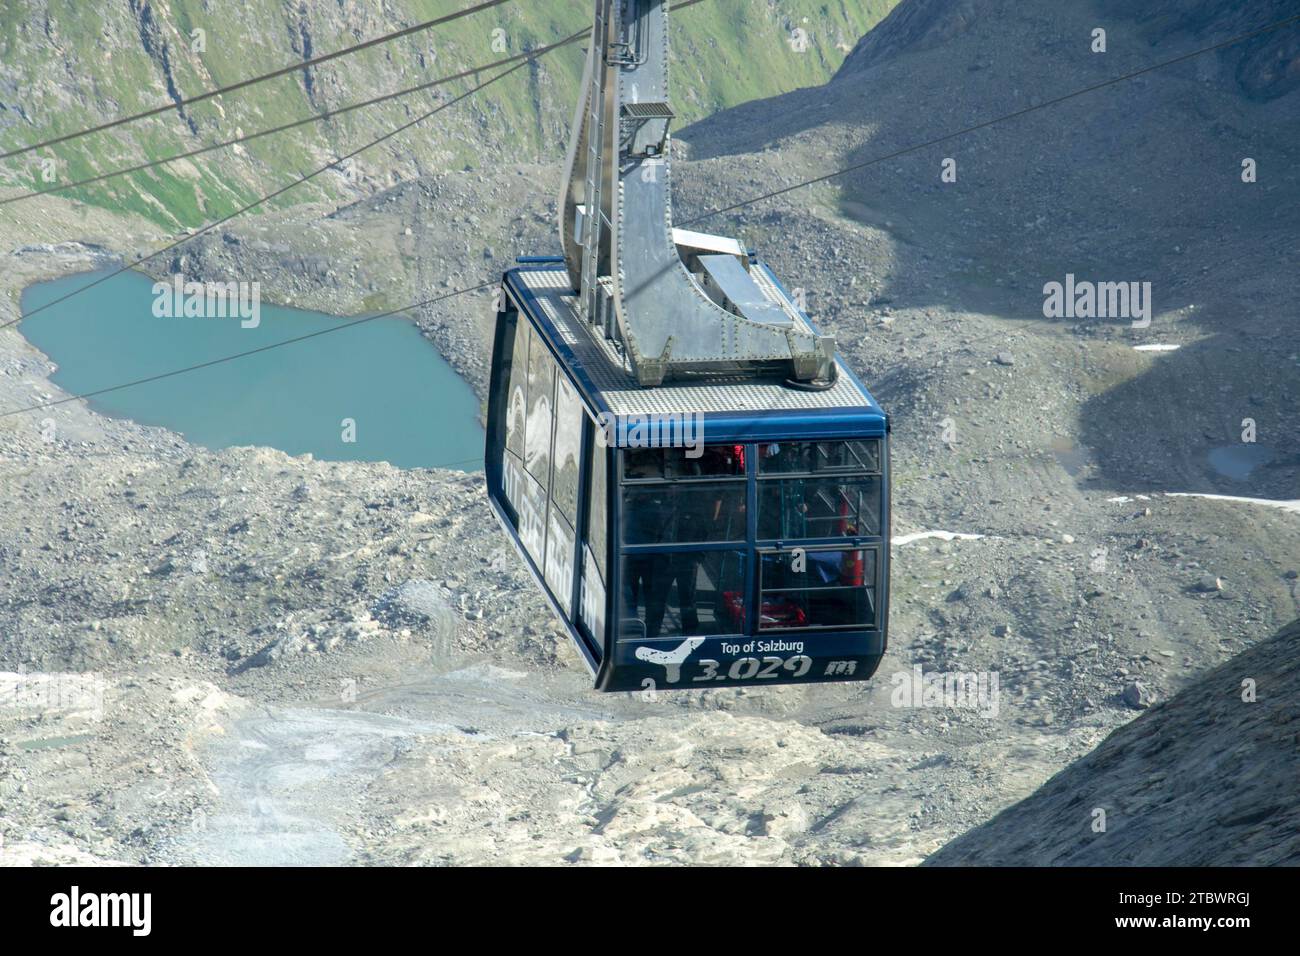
<point x="712" y="531"/>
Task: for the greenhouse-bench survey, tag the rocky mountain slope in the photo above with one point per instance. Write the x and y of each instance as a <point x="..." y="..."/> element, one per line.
<point x="1208" y="778"/>
<point x="1263" y="67"/>
<point x="65" y="65"/>
<point x="1138" y="182"/>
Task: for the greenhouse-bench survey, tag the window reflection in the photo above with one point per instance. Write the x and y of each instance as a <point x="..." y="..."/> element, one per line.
<point x="517" y="392"/>
<point x="593" y="599"/>
<point x="541" y="388"/>
<point x="559" y="560"/>
<point x="569" y="421"/>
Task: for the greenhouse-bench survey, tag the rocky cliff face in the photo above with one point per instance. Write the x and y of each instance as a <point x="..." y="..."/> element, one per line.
<point x="1207" y="779"/>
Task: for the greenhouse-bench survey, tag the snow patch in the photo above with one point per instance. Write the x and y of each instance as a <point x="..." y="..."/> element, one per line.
<point x="485" y="673"/>
<point x="903" y="539"/>
<point x="1292" y="506"/>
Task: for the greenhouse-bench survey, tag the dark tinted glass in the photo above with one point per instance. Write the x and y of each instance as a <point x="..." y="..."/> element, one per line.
<point x="683" y="513"/>
<point x="819" y="457"/>
<point x="711" y="461"/>
<point x="818" y="588"/>
<point x="793" y="508"/>
<point x="681" y="594"/>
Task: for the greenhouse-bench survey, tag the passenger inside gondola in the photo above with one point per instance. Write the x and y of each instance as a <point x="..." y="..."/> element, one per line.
<point x="685" y="538"/>
<point x="672" y="499"/>
<point x="832" y="588"/>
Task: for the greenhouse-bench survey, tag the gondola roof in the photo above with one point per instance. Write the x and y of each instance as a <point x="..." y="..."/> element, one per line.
<point x="739" y="407"/>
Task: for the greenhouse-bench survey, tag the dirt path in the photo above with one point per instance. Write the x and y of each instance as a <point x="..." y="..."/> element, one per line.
<point x="291" y="781"/>
<point x="285" y="778"/>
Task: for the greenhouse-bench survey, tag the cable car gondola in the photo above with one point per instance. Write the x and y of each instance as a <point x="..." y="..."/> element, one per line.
<point x="694" y="478"/>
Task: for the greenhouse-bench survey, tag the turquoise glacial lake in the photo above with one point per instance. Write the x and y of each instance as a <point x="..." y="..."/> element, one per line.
<point x="406" y="405"/>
